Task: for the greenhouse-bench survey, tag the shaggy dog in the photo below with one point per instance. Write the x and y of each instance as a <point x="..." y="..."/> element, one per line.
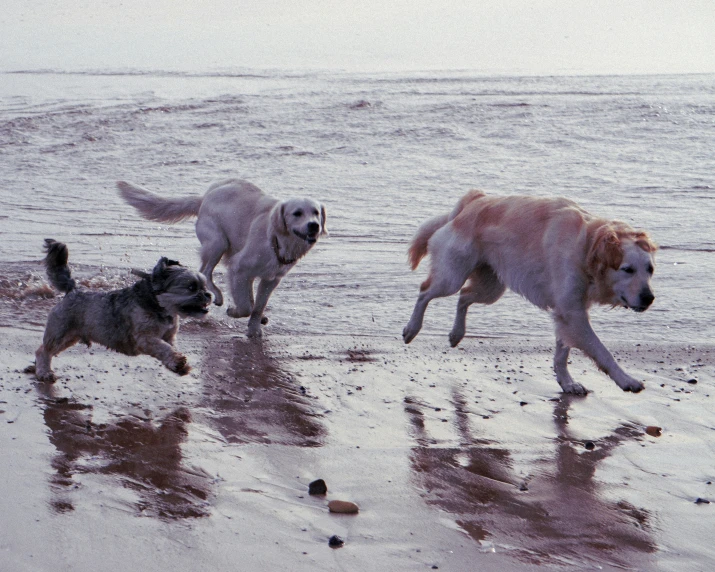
<point x="258" y="236"/>
<point x="549" y="250"/>
<point x="141" y="319"/>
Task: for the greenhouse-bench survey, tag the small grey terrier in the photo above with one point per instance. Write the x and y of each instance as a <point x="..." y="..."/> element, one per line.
<point x="139" y="319"/>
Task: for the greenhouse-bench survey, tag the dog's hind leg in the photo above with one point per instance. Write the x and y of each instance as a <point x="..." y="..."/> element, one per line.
<point x="265" y="289"/>
<point x="484" y="287"/>
<point x="45" y="353"/>
<point x="450" y="269"/>
<point x="213" y="246"/>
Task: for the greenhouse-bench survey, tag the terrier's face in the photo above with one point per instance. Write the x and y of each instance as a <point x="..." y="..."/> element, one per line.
<point x="180" y="290"/>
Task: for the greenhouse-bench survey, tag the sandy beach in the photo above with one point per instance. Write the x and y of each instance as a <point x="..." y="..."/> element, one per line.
<point x="459" y="459"/>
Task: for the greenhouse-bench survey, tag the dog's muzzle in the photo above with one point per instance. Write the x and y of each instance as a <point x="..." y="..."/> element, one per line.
<point x="200" y="304"/>
<point x="645" y="299"/>
<point x="312" y="235"/>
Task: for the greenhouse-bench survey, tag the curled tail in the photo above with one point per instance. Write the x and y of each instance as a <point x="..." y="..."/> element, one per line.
<point x="56" y="264"/>
<point x="418" y="247"/>
<point x="160" y="209"/>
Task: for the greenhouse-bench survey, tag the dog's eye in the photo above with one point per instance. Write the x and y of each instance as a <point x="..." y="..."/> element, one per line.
<point x="193" y="287"/>
<point x="298" y="213"/>
<point x="651" y="269"/>
<point x="315" y="212"/>
<point x="628" y="269"/>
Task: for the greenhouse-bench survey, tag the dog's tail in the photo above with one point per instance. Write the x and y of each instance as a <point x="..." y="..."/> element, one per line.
<point x="160" y="209"/>
<point x="418" y="246"/>
<point x="56" y="264"/>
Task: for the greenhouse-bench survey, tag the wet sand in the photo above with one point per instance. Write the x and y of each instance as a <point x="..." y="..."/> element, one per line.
<point x="460" y="459"/>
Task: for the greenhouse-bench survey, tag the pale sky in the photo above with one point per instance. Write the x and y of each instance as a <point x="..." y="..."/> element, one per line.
<point x="491" y="36"/>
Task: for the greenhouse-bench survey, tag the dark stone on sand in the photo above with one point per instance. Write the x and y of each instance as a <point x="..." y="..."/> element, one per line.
<point x="264" y="320"/>
<point x="335" y="541"/>
<point x="653" y="431"/>
<point x="693" y="381"/>
<point x="523" y="487"/>
<point x="590" y="445"/>
<point x="701" y="501"/>
<point x="318" y="487"/>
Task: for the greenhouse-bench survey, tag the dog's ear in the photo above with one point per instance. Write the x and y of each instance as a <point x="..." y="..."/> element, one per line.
<point x="161" y="272"/>
<point x="644" y="241"/>
<point x="323" y="221"/>
<point x="605" y="252"/>
<point x="278" y="220"/>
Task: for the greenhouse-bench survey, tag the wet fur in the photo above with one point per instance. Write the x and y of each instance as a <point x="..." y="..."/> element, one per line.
<point x="256" y="235"/>
<point x="140" y="319"/>
<point x="549" y="250"/>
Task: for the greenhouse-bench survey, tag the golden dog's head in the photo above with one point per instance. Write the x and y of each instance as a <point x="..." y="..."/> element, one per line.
<point x="301" y="217"/>
<point x="622" y="260"/>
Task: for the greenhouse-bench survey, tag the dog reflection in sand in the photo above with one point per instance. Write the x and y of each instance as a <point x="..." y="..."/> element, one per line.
<point x="141" y="319"/>
<point x="258" y="237"/>
<point x="550" y="251"/>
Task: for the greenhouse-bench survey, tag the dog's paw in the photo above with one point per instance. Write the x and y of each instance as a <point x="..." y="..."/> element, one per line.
<point x="575" y="389"/>
<point x="234" y="312"/>
<point x="181" y="365"/>
<point x="254" y="332"/>
<point x="455" y="338"/>
<point x="47" y="377"/>
<point x="408" y="334"/>
<point x="632" y="385"/>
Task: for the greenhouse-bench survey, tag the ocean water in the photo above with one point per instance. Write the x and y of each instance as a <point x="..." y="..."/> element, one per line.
<point x="383" y="152"/>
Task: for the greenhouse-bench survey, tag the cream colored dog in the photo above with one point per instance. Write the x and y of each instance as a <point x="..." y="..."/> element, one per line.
<point x="258" y="236"/>
<point x="550" y="251"/>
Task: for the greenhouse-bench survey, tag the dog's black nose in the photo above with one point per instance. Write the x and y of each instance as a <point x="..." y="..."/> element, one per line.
<point x="646" y="297"/>
<point x="313" y="227"/>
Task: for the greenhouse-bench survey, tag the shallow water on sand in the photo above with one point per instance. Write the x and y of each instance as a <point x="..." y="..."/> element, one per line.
<point x="383" y="152"/>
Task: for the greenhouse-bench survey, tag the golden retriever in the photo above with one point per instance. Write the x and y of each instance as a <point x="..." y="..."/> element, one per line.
<point x="258" y="236"/>
<point x="549" y="250"/>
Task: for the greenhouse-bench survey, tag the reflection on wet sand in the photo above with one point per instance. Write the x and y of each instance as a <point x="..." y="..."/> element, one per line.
<point x="557" y="518"/>
<point x="146" y="456"/>
<point x="250" y="399"/>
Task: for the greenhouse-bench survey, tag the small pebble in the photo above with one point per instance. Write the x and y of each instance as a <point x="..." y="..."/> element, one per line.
<point x="693" y="381"/>
<point x="335" y="541"/>
<point x="589" y="445"/>
<point x="653" y="431"/>
<point x="317" y="487"/>
<point x="343" y="507"/>
<point x="702" y="501"/>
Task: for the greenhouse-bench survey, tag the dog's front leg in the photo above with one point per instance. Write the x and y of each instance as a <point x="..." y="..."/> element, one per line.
<point x="574" y="329"/>
<point x="265" y="289"/>
<point x="165" y="353"/>
<point x="242" y="294"/>
<point x="561" y="358"/>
